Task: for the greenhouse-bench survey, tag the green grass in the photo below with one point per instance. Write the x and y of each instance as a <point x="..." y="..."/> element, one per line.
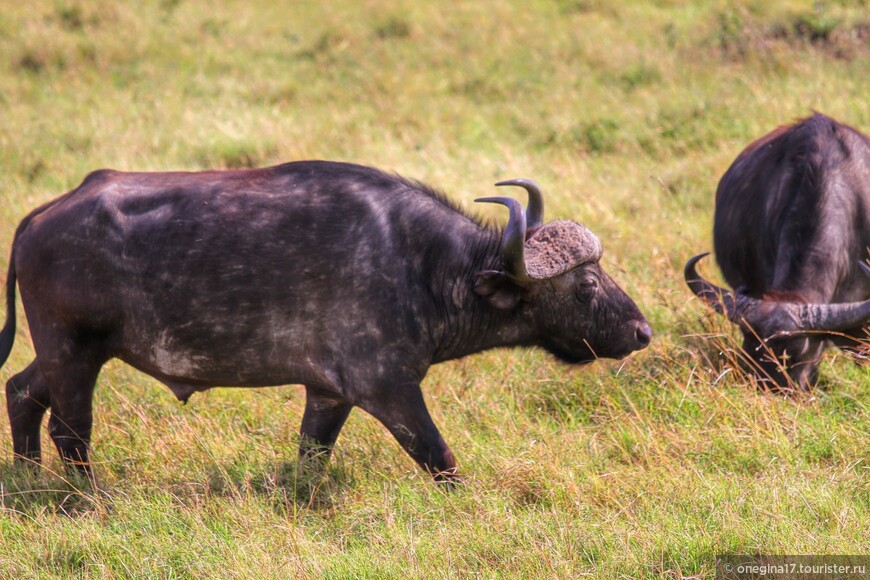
<point x="626" y="114"/>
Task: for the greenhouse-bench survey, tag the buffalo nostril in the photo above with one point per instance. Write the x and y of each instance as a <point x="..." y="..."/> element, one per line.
<point x="643" y="333"/>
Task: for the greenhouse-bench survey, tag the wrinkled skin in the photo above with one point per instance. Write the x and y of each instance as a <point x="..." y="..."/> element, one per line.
<point x="792" y="226"/>
<point x="338" y="277"/>
<point x="604" y="303"/>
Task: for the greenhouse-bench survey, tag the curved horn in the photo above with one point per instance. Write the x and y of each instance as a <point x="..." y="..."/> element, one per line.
<point x="830" y="317"/>
<point x="514" y="238"/>
<point x="725" y="302"/>
<point x="833" y="317"/>
<point x="838" y="316"/>
<point x="535" y="207"/>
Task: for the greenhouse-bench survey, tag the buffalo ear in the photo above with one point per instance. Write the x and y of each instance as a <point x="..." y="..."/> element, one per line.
<point x="498" y="289"/>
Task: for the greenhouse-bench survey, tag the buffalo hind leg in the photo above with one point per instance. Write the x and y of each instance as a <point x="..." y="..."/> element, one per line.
<point x="403" y="411"/>
<point x="72" y="392"/>
<point x="321" y="423"/>
<point x="27" y="399"/>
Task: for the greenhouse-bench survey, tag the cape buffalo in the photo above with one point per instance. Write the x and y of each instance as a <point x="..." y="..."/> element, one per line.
<point x="791" y="232"/>
<point x="342" y="278"/>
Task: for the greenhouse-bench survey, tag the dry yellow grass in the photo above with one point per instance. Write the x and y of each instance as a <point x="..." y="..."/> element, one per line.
<point x="625" y="113"/>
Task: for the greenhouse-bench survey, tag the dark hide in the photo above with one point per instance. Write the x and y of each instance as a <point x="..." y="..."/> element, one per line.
<point x="342" y="278"/>
<point x="792" y="224"/>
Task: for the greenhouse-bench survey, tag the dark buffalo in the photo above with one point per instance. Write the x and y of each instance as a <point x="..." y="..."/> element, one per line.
<point x="791" y="232"/>
<point x="338" y="277"/>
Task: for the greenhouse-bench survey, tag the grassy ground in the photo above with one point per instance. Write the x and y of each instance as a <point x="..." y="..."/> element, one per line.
<point x="626" y="113"/>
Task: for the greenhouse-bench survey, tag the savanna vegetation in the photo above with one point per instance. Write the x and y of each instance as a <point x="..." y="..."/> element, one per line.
<point x="626" y="113"/>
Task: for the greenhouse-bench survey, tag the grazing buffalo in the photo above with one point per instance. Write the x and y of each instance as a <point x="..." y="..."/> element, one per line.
<point x="791" y="232"/>
<point x="342" y="278"/>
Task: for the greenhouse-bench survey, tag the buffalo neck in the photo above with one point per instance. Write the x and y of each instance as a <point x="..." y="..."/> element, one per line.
<point x="467" y="323"/>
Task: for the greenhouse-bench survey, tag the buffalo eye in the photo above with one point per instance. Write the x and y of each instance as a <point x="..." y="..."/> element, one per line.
<point x="586" y="286"/>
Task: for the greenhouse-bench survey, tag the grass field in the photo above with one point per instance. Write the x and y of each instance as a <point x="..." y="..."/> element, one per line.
<point x="626" y="113"/>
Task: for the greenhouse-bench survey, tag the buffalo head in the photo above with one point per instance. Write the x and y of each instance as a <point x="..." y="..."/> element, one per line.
<point x="783" y="340"/>
<point x="552" y="275"/>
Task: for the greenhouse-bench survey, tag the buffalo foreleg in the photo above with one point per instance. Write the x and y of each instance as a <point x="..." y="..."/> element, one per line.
<point x="403" y="411"/>
<point x="27" y="399"/>
<point x="321" y="423"/>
